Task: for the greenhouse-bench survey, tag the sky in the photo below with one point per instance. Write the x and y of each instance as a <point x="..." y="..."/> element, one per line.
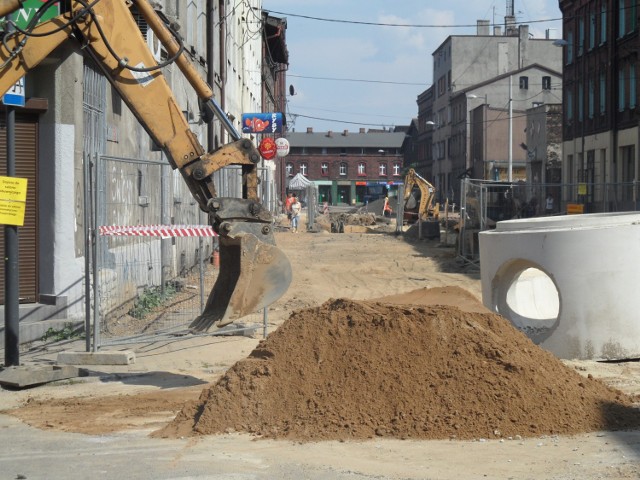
<point x="348" y="74"/>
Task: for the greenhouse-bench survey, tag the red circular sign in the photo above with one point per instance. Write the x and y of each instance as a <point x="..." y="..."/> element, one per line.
<point x="268" y="148"/>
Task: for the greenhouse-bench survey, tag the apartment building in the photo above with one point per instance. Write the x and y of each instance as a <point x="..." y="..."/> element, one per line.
<point x="485" y="67"/>
<point x="600" y="103"/>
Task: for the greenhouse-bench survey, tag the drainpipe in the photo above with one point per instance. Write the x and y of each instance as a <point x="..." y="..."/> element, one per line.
<point x="223" y="62"/>
<point x="211" y="73"/>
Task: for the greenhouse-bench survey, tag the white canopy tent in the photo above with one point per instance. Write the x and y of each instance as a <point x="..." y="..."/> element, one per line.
<point x="299" y="182"/>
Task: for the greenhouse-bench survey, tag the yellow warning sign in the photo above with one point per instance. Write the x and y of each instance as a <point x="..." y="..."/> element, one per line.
<point x="582" y="189"/>
<point x="13" y="197"/>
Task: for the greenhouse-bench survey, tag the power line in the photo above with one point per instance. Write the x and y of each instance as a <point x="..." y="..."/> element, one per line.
<point x="296" y="115"/>
<point x="405" y="25"/>
<point x="358" y="80"/>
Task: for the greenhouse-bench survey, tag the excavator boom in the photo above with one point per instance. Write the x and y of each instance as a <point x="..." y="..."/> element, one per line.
<point x="425" y="209"/>
<point x="253" y="271"/>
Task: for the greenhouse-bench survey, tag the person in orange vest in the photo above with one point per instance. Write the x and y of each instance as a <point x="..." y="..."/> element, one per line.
<point x="386" y="210"/>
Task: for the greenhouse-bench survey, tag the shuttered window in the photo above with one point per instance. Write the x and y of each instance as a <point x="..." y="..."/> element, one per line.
<point x="26" y="155"/>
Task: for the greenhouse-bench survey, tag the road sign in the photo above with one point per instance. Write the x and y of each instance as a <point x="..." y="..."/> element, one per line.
<point x="15" y="95"/>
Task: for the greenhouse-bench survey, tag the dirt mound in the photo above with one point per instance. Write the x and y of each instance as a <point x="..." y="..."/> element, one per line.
<point x="357" y="370"/>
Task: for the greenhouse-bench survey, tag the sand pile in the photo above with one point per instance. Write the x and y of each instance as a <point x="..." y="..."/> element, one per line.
<point x="358" y="370"/>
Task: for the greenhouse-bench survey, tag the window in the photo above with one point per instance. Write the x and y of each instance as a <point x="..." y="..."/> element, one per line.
<point x="592" y="94"/>
<point x="569" y="106"/>
<point x="632" y="85"/>
<point x="592" y="30"/>
<point x="603" y="93"/>
<point x="621" y="90"/>
<point x="396" y="169"/>
<point x="343" y="152"/>
<point x="621" y="18"/>
<point x="603" y="23"/>
<point x="524" y="83"/>
<point x="303" y="168"/>
<point x="324" y="169"/>
<point x="580" y="36"/>
<point x="382" y="169"/>
<point x="628" y="170"/>
<point x="289" y="169"/>
<point x="633" y="19"/>
<point x="343" y="169"/>
<point x="580" y="101"/>
<point x="362" y="169"/>
<point x="546" y="83"/>
<point x="569" y="48"/>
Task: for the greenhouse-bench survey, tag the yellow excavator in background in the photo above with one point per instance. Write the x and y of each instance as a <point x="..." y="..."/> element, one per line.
<point x="254" y="272"/>
<point x="418" y="199"/>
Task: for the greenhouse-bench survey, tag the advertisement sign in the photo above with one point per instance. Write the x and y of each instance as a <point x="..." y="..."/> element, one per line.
<point x="267" y="148"/>
<point x="13" y="198"/>
<point x="282" y="147"/>
<point x="262" y="122"/>
<point x="23" y="16"/>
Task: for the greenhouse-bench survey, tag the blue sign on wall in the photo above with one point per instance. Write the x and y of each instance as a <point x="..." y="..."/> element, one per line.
<point x="15" y="95"/>
<point x="262" y="122"/>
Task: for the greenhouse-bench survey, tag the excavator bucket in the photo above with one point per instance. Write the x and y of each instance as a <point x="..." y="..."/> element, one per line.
<point x="253" y="274"/>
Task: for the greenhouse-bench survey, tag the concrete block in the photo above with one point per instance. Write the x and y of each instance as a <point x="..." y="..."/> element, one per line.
<point x="96" y="358"/>
<point x="27" y="376"/>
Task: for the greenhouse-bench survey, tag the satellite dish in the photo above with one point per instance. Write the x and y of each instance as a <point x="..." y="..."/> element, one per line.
<point x="292" y="90"/>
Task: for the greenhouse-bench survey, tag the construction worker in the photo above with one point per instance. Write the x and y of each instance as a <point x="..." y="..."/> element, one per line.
<point x="386" y="210"/>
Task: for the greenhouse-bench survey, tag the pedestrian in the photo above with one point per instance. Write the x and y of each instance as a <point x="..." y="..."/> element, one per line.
<point x="296" y="206"/>
<point x="287" y="205"/>
<point x="548" y="209"/>
<point x="386" y="210"/>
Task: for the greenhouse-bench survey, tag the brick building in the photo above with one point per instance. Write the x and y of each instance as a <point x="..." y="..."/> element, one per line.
<point x="600" y="96"/>
<point x="348" y="168"/>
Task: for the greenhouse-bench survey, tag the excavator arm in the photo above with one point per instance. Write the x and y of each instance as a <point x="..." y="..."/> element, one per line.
<point x="253" y="271"/>
<point x="426" y="208"/>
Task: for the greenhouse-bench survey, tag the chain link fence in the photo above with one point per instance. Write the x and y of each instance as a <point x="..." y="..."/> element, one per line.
<point x="484" y="203"/>
<point x="153" y="278"/>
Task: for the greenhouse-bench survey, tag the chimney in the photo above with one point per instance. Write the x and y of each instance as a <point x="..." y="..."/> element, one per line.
<point x="345" y="133"/>
<point x="309" y="129"/>
<point x="482" y="27"/>
<point x="361" y="130"/>
<point x="510" y="29"/>
<point x="329" y="133"/>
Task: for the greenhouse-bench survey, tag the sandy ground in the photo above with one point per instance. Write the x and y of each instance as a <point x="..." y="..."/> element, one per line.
<point x="127" y="403"/>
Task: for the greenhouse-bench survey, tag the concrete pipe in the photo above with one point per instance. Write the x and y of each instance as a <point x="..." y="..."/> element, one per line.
<point x="570" y="283"/>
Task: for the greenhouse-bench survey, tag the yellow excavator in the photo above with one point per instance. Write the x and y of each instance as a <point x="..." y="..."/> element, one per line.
<point x="254" y="272"/>
<point x="419" y="196"/>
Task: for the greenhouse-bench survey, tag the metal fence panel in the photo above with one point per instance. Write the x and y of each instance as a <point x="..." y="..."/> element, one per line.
<point x="484" y="203"/>
<point x="147" y="285"/>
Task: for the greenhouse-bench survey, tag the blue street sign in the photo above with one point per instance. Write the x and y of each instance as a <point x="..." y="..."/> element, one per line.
<point x="15" y="95"/>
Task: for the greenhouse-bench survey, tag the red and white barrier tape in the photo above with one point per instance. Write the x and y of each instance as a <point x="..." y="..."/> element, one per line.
<point x="164" y="231"/>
